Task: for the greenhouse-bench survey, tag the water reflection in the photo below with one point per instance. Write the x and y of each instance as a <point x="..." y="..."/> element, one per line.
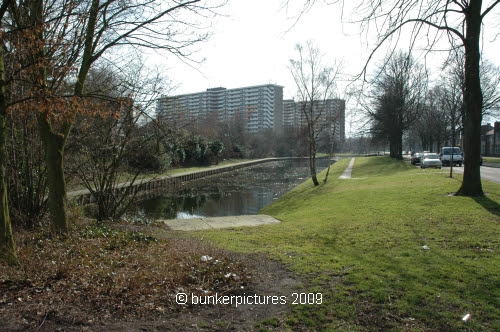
<point x="239" y="192"/>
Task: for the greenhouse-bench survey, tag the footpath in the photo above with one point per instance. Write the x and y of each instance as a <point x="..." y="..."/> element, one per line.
<point x="348" y="170"/>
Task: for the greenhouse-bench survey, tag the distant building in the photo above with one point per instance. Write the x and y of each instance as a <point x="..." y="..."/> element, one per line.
<point x="260" y="107"/>
<point x="490" y="139"/>
<point x="291" y="117"/>
<point x="331" y="111"/>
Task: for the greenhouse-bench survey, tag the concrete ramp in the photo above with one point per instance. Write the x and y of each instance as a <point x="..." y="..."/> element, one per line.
<point x="197" y="224"/>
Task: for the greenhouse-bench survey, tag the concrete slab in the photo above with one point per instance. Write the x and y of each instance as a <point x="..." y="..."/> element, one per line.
<point x="197" y="224"/>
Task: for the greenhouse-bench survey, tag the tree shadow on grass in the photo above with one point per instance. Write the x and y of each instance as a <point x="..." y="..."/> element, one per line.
<point x="489" y="204"/>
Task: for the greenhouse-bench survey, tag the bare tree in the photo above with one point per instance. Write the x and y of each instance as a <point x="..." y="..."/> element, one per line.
<point x="81" y="33"/>
<point x="452" y="88"/>
<point x="460" y="22"/>
<point x="316" y="83"/>
<point x="106" y="143"/>
<point x="399" y="88"/>
<point x="490" y="83"/>
<point x="431" y="126"/>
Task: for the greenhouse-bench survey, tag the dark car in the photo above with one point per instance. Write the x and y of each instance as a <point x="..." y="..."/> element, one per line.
<point x="415" y="159"/>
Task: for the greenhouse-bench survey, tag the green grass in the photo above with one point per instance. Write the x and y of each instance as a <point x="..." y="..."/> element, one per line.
<point x="359" y="242"/>
<point x="491" y="160"/>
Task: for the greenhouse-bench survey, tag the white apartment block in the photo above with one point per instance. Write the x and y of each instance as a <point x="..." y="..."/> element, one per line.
<point x="260" y="107"/>
<point x="332" y="115"/>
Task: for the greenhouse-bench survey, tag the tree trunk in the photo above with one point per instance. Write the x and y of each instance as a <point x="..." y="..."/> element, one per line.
<point x="393" y="146"/>
<point x="7" y="245"/>
<point x="312" y="162"/>
<point x="54" y="142"/>
<point x="473" y="102"/>
<point x="327" y="172"/>
<point x="453" y="142"/>
<point x="399" y="152"/>
<point x="54" y="157"/>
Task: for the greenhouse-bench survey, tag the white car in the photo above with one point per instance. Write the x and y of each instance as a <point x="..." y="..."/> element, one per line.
<point x="430" y="160"/>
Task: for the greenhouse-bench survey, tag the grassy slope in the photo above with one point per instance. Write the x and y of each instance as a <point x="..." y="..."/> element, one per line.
<point x="359" y="242"/>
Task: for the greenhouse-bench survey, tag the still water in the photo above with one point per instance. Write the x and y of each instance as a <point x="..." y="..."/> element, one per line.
<point x="239" y="192"/>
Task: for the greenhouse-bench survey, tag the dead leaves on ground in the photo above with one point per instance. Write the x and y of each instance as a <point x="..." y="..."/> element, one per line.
<point x="111" y="274"/>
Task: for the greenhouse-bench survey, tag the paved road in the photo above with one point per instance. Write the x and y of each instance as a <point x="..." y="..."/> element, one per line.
<point x="487" y="173"/>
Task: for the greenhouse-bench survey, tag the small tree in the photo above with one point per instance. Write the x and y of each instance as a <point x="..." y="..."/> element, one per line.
<point x="315" y="83"/>
<point x="106" y="143"/>
<point x="103" y="147"/>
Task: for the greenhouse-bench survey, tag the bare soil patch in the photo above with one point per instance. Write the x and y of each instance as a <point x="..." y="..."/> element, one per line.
<point x="103" y="279"/>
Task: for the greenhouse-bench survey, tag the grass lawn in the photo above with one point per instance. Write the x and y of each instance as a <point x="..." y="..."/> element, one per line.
<point x="491" y="160"/>
<point x="360" y="242"/>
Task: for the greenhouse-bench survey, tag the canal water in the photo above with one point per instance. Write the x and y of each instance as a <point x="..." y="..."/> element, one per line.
<point x="239" y="192"/>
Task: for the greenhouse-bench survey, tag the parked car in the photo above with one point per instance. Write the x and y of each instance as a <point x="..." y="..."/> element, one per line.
<point x="415" y="158"/>
<point x="430" y="160"/>
<point x="451" y="153"/>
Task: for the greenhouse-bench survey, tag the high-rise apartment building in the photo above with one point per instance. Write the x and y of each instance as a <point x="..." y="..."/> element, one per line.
<point x="260" y="107"/>
<point x="331" y="115"/>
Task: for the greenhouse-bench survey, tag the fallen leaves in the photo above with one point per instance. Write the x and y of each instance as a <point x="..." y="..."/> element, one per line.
<point x="112" y="273"/>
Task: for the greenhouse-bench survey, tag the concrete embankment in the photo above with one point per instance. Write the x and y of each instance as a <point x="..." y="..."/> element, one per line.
<point x="168" y="181"/>
<point x="196" y="224"/>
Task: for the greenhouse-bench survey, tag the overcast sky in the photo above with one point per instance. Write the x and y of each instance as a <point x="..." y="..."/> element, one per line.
<point x="254" y="41"/>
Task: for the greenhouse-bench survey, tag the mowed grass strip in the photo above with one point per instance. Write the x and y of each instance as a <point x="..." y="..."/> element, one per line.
<point x="360" y="243"/>
<point x="491" y="160"/>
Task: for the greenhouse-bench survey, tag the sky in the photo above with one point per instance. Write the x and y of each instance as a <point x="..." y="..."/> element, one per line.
<point x="253" y="42"/>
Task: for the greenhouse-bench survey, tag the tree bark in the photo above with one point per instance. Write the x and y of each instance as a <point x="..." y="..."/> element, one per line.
<point x="54" y="157"/>
<point x="7" y="245"/>
<point x="473" y="102"/>
<point x="312" y="158"/>
<point x="54" y="142"/>
<point x="8" y="252"/>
